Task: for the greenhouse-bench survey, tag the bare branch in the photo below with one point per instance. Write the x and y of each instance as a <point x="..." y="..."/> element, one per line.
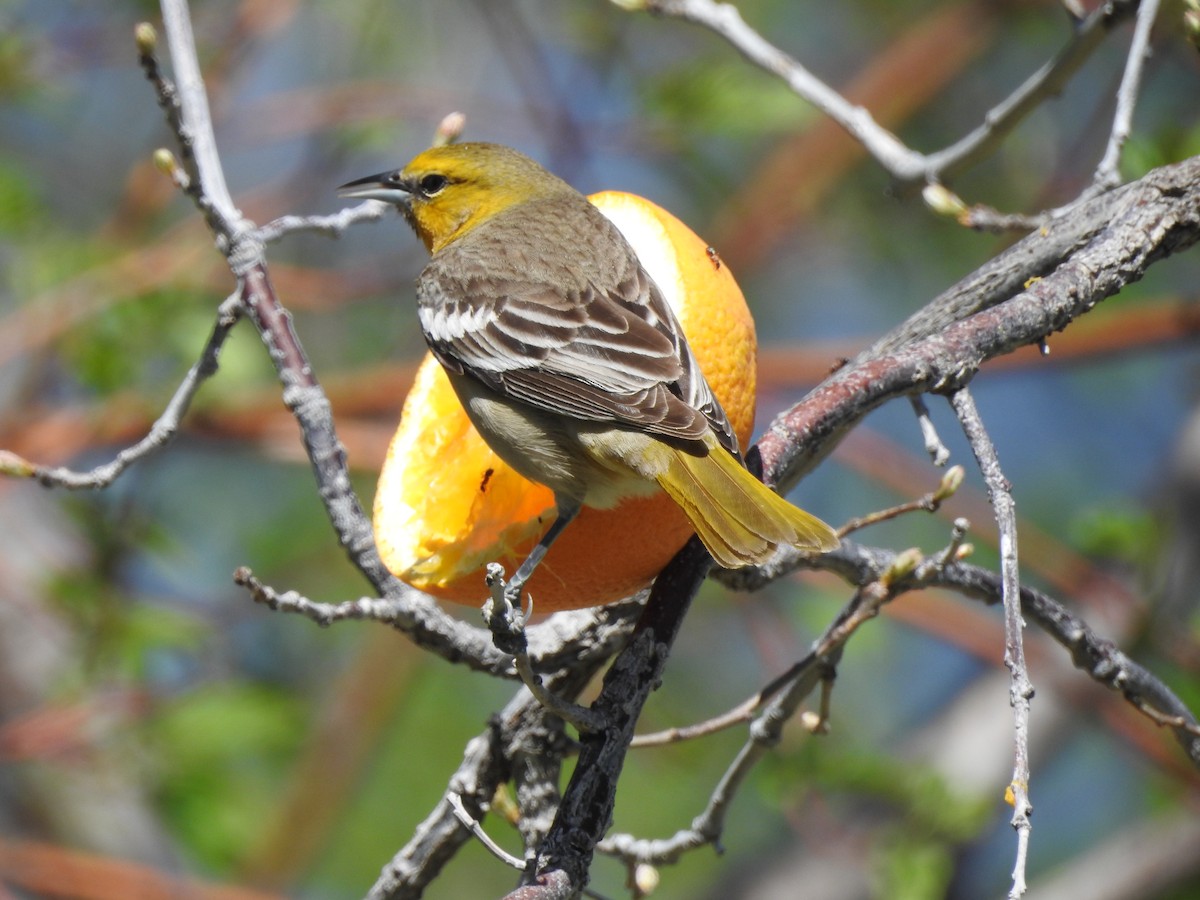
<point x="323" y="614"/>
<point x="1020" y="689"/>
<point x="788" y="691"/>
<point x="1108" y="173"/>
<point x="930" y="502"/>
<point x="482" y="836"/>
<point x="743" y="712"/>
<point x="1036" y="287"/>
<point x="1094" y="655"/>
<point x="902" y="163"/>
<point x="585" y="812"/>
<point x="194" y="124"/>
<point x="161" y="432"/>
<point x="332" y="225"/>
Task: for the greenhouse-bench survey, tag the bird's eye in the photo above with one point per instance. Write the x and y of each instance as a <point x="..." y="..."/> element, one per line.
<point x="432" y="184"/>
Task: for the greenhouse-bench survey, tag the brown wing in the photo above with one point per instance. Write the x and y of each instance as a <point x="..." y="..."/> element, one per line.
<point x="606" y="347"/>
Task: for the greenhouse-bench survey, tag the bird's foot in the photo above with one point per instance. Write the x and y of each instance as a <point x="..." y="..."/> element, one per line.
<point x="504" y="618"/>
<point x="502" y="611"/>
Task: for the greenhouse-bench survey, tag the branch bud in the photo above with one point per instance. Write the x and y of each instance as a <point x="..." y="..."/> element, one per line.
<point x="16" y="466"/>
<point x="646" y="878"/>
<point x="962" y="551"/>
<point x="505" y="806"/>
<point x="943" y="201"/>
<point x="450" y="129"/>
<point x="165" y="162"/>
<point x="950" y="483"/>
<point x="1010" y="791"/>
<point x="814" y="723"/>
<point x="146" y="38"/>
<point x="903" y="565"/>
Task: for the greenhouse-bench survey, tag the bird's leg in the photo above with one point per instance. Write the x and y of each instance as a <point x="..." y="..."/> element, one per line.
<point x="504" y="618"/>
<point x="567" y="510"/>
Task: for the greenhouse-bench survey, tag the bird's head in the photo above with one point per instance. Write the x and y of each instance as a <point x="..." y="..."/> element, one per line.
<point x="447" y="191"/>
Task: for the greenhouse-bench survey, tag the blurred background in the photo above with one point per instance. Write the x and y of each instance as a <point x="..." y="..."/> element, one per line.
<point x="162" y="735"/>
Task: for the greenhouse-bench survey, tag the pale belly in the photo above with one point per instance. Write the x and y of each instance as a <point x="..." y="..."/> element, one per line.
<point x="595" y="463"/>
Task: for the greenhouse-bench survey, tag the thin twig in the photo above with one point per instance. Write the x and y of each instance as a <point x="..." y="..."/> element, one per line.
<point x="447" y="132"/>
<point x="985" y="218"/>
<point x="818" y="668"/>
<point x="1020" y="688"/>
<point x="933" y="444"/>
<point x="323" y="614"/>
<point x="164" y="429"/>
<point x="573" y="637"/>
<point x="930" y="502"/>
<point x="1108" y="174"/>
<point x="332" y="225"/>
<point x="901" y="162"/>
<point x="1093" y="654"/>
<point x="195" y="121"/>
<point x="956" y="550"/>
<point x="743" y="712"/>
<point x="482" y="836"/>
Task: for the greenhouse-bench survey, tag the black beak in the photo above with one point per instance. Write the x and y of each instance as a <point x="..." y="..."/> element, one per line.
<point x="386" y="186"/>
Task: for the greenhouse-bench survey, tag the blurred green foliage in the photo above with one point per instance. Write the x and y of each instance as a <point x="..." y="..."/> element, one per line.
<point x="722" y="97"/>
<point x="228" y="745"/>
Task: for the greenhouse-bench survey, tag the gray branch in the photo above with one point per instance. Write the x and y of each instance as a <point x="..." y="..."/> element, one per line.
<point x="901" y="162"/>
<point x="1020" y="688"/>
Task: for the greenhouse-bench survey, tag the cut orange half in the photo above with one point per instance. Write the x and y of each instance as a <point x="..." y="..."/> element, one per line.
<point x="446" y="505"/>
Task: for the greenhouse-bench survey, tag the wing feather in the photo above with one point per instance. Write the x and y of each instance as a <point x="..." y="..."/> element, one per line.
<point x="600" y="345"/>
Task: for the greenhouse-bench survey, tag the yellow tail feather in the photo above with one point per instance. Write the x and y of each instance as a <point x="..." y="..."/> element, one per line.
<point x="740" y="520"/>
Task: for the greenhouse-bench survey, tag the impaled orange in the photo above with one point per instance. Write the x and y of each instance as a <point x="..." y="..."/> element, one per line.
<point x="446" y="505"/>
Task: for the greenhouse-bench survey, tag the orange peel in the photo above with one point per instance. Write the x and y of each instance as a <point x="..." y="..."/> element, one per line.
<point x="446" y="505"/>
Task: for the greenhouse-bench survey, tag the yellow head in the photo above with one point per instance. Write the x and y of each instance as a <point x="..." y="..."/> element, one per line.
<point x="447" y="191"/>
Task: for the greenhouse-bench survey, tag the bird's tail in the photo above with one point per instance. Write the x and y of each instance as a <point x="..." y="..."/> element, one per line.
<point x="740" y="520"/>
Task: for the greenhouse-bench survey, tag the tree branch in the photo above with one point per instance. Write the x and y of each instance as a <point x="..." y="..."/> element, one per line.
<point x="161" y="433"/>
<point x="1024" y="295"/>
<point x="1020" y="689"/>
<point x="886" y="575"/>
<point x="901" y="162"/>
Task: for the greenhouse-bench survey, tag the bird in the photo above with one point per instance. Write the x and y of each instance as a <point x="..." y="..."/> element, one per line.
<point x="567" y="358"/>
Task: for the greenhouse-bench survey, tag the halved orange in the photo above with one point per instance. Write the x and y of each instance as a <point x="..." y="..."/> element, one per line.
<point x="446" y="505"/>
